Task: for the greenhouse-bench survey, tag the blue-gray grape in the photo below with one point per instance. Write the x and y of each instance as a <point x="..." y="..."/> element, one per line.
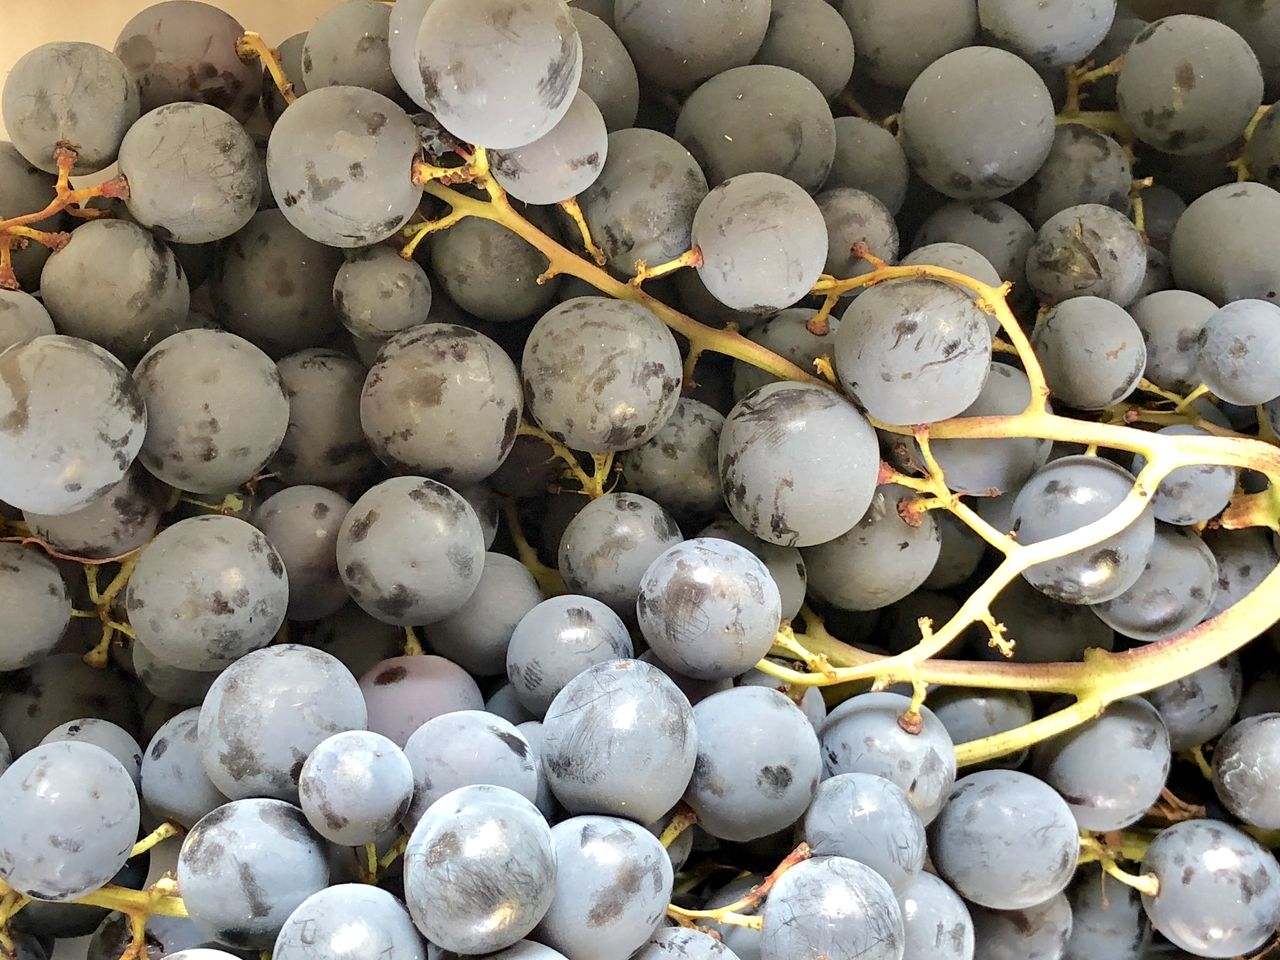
<point x="678" y="46"/>
<point x="1245" y="762"/>
<point x="477" y="636"/>
<point x="1200" y="706"/>
<point x="348" y="46"/>
<point x="608" y="73"/>
<point x="869" y="819"/>
<point x="1238" y="352"/>
<point x="301" y="523"/>
<point x="562" y="162"/>
<point x="174" y="784"/>
<point x="39" y="605"/>
<point x="835" y="908"/>
<point x="1190" y="495"/>
<point x="1038" y="932"/>
<point x="937" y="922"/>
<point x="349" y="921"/>
<point x="354" y="787"/>
<point x="1092" y="352"/>
<point x="378" y="293"/>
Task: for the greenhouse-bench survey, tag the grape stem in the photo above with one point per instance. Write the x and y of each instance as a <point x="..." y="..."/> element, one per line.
<point x="574" y="211"/>
<point x="1146" y="883"/>
<point x="17" y="231"/>
<point x="252" y="47"/>
<point x="549" y="580"/>
<point x="735" y="914"/>
<point x="682" y="820"/>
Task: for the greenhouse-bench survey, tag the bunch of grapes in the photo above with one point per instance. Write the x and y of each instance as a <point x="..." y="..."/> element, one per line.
<point x="631" y="479"/>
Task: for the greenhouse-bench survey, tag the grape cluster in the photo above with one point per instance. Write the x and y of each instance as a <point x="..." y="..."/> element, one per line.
<point x="634" y="479"/>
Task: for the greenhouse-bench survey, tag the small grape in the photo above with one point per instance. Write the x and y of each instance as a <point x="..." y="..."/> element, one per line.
<point x="245" y="867"/>
<point x="1238" y="352"/>
<point x="1244" y="763"/>
<point x="599" y="760"/>
<point x="379" y="293"/>
<point x="708" y="608"/>
<point x="324" y="442"/>
<point x="1088" y="250"/>
<point x="994" y="229"/>
<point x="856" y="217"/>
<point x="676" y="47"/>
<point x="302" y="524"/>
<point x="831" y="907"/>
<point x="1199" y="707"/>
<point x="1052" y="34"/>
<point x="1004" y="840"/>
<point x="678" y="466"/>
<point x="863" y="735"/>
<point x="763" y="242"/>
<point x="58" y="688"/>
<point x="871" y="820"/>
<point x="562" y="162"/>
<point x="348" y="45"/>
<point x="477" y="636"/>
<point x="1084" y="166"/>
<point x="937" y="922"/>
<point x="869" y="157"/>
<point x="403" y="693"/>
<point x="480" y="869"/>
<point x="118" y="522"/>
<point x="1218" y="248"/>
<point x="1107" y="922"/>
<point x="608" y="73"/>
<point x="38" y="606"/>
<point x="22" y="317"/>
<point x="897" y="39"/>
<point x="1189" y="495"/>
<point x="1092" y="352"/>
<point x="1038" y="932"/>
<point x="1244" y="558"/>
<point x="785" y="564"/>
<point x="105" y="734"/>
<point x="1045" y="630"/>
<point x="972" y="713"/>
<point x="349" y="921"/>
<point x="354" y="787"/>
<point x="174" y="784"/>
<point x="680" y="942"/>
<point x="812" y="39"/>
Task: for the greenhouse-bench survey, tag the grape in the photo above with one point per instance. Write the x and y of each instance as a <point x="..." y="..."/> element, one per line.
<point x="490" y="272"/>
<point x="1133" y="738"/>
<point x="355" y="638"/>
<point x="1162" y="208"/>
<point x="642" y="205"/>
<point x="1107" y="922"/>
<point x="245" y="867"/>
<point x="323" y="443"/>
<point x="274" y="286"/>
<point x="422" y="562"/>
<point x="913" y="350"/>
<point x="1244" y="765"/>
<point x="1038" y="932"/>
<point x="1188" y="85"/>
<point x="1218" y="245"/>
<point x="937" y="922"/>
<point x="613" y="881"/>
<point x="484" y="501"/>
<point x="503" y="703"/>
<point x="348" y="46"/>
<point x="51" y="463"/>
<point x="1237" y="352"/>
<point x="339" y="161"/>
<point x="218" y="410"/>
<point x="355" y="786"/>
<point x="772" y="431"/>
<point x="378" y="293"/>
<point x="599" y="760"/>
<point x="1087" y="251"/>
<point x="1084" y="166"/>
<point x="758" y="763"/>
<point x="1052" y="34"/>
<point x="979" y="466"/>
<point x="811" y="38"/>
<point x="174" y="784"/>
<point x="1257" y="24"/>
<point x="976" y="123"/>
<point x="676" y="47"/>
<point x="73" y="92"/>
<point x="897" y="40"/>
<point x="106" y="735"/>
<point x="709" y="608"/>
<point x="763" y="242"/>
<point x="961" y="259"/>
<point x="1199" y="707"/>
<point x="1174" y="592"/>
<point x="608" y="75"/>
<point x="787" y="335"/>
<point x="6" y="755"/>
<point x="273" y="101"/>
<point x="868" y="157"/>
<point x="1004" y="840"/>
<point x="267" y="711"/>
<point x="994" y="229"/>
<point x="681" y="942"/>
<point x="544" y="799"/>
<point x="743" y="941"/>
<point x="181" y="50"/>
<point x="785" y="564"/>
<point x="520" y="87"/>
<point x="880" y="561"/>
<point x="59" y="688"/>
<point x="46" y="920"/>
<point x="835" y="908"/>
<point x="856" y="217"/>
<point x="1244" y="558"/>
<point x="609" y="545"/>
<point x="22" y="317"/>
<point x="1091" y="350"/>
<point x="617" y="354"/>
<point x="206" y="591"/>
<point x="1170" y="321"/>
<point x="192" y="171"/>
<point x="402" y="47"/>
<point x="37" y="605"/>
<point x="71" y="820"/>
<point x="302" y="524"/>
<point x="118" y="522"/>
<point x="403" y="693"/>
<point x="557" y="640"/>
<point x="118" y="286"/>
<point x="958" y="556"/>
<point x="24" y="188"/>
<point x="562" y="162"/>
<point x="1219" y="888"/>
<point x="1156" y="275"/>
<point x="759" y="119"/>
<point x="1064" y="496"/>
<point x="871" y="820"/>
<point x="974" y="713"/>
<point x="862" y="735"/>
<point x="480" y="869"/>
<point x="349" y="921"/>
<point x="426" y="384"/>
<point x="463" y="748"/>
<point x="678" y="466"/>
<point x="477" y="636"/>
